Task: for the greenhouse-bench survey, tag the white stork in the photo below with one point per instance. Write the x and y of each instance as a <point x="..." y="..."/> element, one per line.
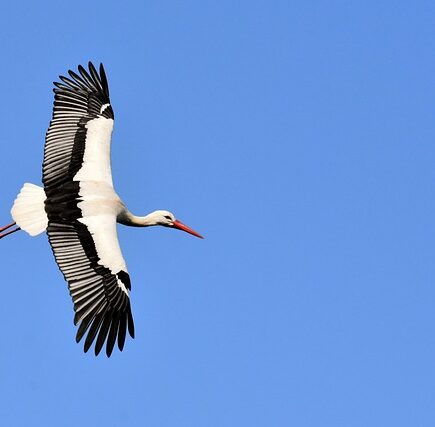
<point x="79" y="209"/>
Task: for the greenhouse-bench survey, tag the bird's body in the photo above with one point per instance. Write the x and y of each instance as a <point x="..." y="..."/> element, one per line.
<point x="79" y="209"/>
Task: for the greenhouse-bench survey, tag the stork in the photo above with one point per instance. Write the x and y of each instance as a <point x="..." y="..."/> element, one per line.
<point x="79" y="209"/>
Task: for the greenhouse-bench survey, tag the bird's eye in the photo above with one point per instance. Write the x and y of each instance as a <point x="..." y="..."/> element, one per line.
<point x="167" y="217"/>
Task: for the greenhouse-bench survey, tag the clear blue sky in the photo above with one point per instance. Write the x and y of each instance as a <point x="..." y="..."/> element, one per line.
<point x="298" y="137"/>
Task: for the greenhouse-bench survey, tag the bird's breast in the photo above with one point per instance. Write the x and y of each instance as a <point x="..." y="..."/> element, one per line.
<point x="98" y="198"/>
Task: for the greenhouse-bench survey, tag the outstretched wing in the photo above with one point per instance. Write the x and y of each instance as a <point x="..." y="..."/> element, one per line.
<point x="77" y="143"/>
<point x="84" y="252"/>
<point x="81" y="207"/>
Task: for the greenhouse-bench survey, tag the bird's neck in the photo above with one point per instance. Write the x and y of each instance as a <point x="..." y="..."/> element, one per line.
<point x="127" y="218"/>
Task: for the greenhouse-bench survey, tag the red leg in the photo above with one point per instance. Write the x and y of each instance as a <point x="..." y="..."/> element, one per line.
<point x="6" y="227"/>
<point x="9" y="232"/>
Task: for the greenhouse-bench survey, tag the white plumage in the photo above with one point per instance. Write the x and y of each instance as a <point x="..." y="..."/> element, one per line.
<point x="28" y="210"/>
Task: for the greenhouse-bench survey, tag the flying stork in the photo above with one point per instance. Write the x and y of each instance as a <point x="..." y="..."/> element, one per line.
<point x="79" y="208"/>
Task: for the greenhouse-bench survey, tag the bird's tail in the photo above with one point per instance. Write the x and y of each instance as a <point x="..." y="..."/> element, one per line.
<point x="28" y="210"/>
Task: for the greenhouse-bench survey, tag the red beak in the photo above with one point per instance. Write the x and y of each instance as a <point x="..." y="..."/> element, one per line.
<point x="181" y="226"/>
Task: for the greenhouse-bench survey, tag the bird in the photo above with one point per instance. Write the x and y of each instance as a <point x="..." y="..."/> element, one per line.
<point x="79" y="209"/>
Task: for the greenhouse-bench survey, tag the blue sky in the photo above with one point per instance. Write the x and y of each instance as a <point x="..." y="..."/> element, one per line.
<point x="298" y="137"/>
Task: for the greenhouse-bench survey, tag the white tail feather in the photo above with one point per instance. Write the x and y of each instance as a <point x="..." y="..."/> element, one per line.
<point x="28" y="210"/>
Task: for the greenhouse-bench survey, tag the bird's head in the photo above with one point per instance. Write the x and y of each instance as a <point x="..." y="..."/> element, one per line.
<point x="167" y="219"/>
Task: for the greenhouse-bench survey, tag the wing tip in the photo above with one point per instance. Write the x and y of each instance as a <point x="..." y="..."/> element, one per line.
<point x="89" y="80"/>
<point x="107" y="329"/>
